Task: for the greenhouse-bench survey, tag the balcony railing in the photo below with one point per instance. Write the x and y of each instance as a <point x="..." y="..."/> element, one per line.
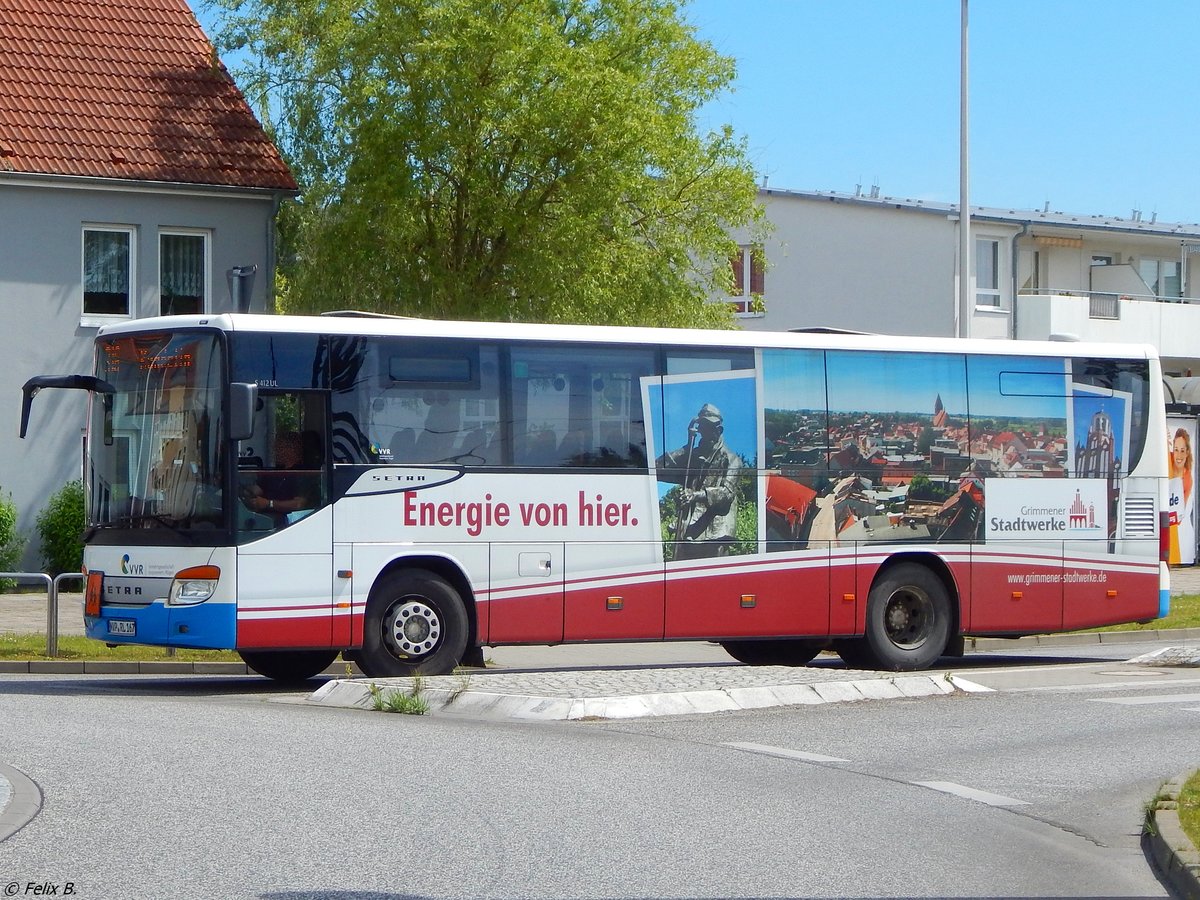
<point x="1104" y="306"/>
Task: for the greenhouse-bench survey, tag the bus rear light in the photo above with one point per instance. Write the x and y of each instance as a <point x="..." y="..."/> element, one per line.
<point x="1164" y="537"/>
<point x="92" y="593"/>
<point x="194" y="585"/>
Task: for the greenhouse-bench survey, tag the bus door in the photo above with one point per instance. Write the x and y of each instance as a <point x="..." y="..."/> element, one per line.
<point x="525" y="603"/>
<point x="286" y="573"/>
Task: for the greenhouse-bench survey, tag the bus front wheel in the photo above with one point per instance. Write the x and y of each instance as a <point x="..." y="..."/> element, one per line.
<point x="774" y="653"/>
<point x="908" y="621"/>
<point x="416" y="625"/>
<point x="288" y="665"/>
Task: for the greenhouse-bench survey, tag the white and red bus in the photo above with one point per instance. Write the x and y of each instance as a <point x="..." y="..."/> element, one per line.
<point x="407" y="492"/>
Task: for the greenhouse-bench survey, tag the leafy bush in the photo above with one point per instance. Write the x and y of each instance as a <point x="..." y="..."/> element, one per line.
<point x="60" y="527"/>
<point x="12" y="542"/>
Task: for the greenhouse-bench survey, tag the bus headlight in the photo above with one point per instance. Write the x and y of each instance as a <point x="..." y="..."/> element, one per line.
<point x="194" y="585"/>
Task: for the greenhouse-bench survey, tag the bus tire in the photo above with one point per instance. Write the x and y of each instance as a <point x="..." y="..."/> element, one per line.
<point x="908" y="619"/>
<point x="416" y="624"/>
<point x="854" y="653"/>
<point x="774" y="653"/>
<point x="288" y="665"/>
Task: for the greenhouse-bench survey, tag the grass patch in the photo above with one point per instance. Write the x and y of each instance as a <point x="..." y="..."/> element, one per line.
<point x="1184" y="613"/>
<point x="1189" y="808"/>
<point x="409" y="703"/>
<point x="33" y="646"/>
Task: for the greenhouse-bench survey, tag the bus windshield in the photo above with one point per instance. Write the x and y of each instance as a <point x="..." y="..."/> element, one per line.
<point x="154" y="448"/>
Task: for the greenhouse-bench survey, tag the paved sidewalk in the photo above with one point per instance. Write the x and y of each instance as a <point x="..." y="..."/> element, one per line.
<point x="25" y="613"/>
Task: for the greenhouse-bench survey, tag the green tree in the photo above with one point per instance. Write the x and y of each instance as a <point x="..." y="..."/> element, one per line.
<point x="533" y="160"/>
<point x="60" y="527"/>
<point x="12" y="542"/>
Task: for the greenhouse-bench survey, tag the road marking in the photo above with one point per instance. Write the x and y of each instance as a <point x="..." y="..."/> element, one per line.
<point x="1140" y="701"/>
<point x="784" y="752"/>
<point x="959" y="790"/>
<point x="1103" y="686"/>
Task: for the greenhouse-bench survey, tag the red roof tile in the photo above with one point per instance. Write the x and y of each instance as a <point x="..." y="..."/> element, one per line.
<point x="125" y="89"/>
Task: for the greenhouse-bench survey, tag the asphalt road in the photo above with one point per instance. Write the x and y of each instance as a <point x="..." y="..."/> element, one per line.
<point x="214" y="787"/>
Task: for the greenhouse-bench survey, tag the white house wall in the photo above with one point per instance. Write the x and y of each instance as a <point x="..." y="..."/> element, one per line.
<point x="843" y="265"/>
<point x="888" y="265"/>
<point x="41" y="305"/>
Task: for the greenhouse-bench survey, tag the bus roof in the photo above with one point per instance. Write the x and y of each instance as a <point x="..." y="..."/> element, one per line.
<point x="366" y="324"/>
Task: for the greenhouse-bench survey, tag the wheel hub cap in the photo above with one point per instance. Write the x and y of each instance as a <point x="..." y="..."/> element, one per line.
<point x="908" y="619"/>
<point x="415" y="628"/>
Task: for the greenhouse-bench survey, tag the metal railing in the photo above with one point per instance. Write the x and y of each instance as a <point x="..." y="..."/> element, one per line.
<point x="52" y="592"/>
<point x="1104" y="306"/>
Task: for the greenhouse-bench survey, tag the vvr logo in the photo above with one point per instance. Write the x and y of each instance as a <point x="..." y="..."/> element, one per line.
<point x="130" y="568"/>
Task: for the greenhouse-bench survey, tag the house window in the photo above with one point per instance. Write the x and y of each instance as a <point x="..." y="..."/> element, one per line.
<point x="183" y="273"/>
<point x="987" y="272"/>
<point x="108" y="255"/>
<point x="1030" y="266"/>
<point x="749" y="280"/>
<point x="1162" y="276"/>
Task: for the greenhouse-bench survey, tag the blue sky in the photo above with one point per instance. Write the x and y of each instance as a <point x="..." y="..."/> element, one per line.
<point x="1084" y="104"/>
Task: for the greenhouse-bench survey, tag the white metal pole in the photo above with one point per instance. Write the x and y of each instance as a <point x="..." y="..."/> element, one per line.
<point x="963" y="306"/>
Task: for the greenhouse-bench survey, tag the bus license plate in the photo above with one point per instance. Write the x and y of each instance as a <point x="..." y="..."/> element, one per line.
<point x="122" y="626"/>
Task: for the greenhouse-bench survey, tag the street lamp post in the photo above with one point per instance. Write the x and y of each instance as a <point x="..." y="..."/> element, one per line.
<point x="963" y="306"/>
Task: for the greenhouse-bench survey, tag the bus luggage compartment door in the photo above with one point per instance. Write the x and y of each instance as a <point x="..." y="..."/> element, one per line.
<point x="614" y="591"/>
<point x="526" y="597"/>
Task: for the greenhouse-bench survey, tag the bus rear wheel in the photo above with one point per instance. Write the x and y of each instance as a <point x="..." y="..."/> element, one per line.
<point x="416" y="625"/>
<point x="908" y="621"/>
<point x="774" y="653"/>
<point x="288" y="665"/>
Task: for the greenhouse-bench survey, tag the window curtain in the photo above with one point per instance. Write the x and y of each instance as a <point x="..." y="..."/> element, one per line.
<point x="181" y="261"/>
<point x="106" y="272"/>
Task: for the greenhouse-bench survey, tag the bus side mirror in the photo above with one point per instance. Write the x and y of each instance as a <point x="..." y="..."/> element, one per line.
<point x="243" y="398"/>
<point x="74" y="382"/>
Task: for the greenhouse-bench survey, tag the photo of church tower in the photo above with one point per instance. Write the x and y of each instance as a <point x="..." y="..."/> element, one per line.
<point x="1098" y="457"/>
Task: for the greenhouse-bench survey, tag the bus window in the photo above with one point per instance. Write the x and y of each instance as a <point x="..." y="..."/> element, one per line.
<point x="1018" y="416"/>
<point x="281" y="467"/>
<point x="415" y="402"/>
<point x="579" y="405"/>
<point x="1127" y="384"/>
<point x="890" y="413"/>
<point x="692" y="361"/>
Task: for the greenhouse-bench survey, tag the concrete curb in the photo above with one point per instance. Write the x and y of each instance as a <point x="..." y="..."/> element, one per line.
<point x="1172" y="850"/>
<point x="24" y="801"/>
<point x="444" y="697"/>
<point x="1078" y="638"/>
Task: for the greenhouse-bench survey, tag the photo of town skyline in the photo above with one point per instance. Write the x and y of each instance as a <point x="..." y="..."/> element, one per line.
<point x="893" y="454"/>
